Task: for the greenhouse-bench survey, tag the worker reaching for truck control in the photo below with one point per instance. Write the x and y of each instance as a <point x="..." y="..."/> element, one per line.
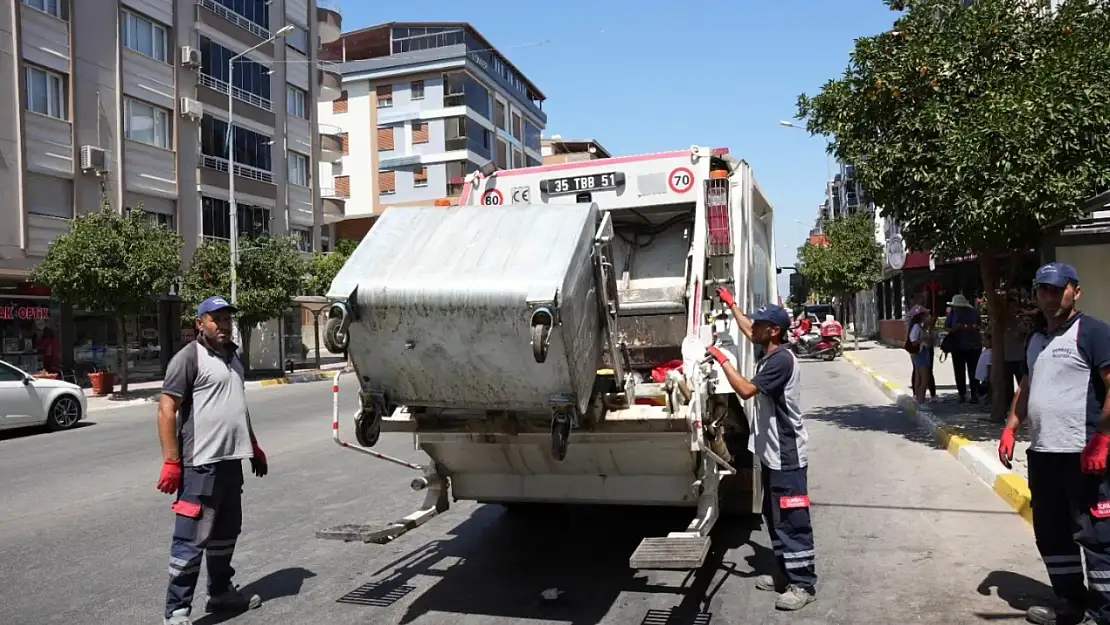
<point x="779" y="439"/>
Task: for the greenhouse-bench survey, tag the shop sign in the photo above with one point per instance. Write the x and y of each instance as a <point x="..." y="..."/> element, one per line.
<point x="24" y="313"/>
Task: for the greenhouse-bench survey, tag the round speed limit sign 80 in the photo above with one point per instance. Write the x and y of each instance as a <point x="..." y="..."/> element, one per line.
<point x="493" y="197"/>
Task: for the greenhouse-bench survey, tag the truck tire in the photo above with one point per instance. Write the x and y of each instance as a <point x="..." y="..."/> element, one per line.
<point x="335" y="338"/>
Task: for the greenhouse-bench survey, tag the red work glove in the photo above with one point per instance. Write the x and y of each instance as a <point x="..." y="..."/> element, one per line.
<point x="258" y="462"/>
<point x="726" y="296"/>
<point x="717" y="355"/>
<point x="1093" y="458"/>
<point x="170" y="480"/>
<point x="1006" y="447"/>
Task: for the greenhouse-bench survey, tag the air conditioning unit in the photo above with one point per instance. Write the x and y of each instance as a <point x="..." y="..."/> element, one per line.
<point x="190" y="57"/>
<point x="192" y="109"/>
<point x="94" y="159"/>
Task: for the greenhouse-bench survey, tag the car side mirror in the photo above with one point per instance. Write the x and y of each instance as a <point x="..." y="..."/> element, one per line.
<point x="27" y="380"/>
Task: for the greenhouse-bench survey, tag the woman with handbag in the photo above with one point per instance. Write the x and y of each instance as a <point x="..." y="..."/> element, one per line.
<point x="964" y="343"/>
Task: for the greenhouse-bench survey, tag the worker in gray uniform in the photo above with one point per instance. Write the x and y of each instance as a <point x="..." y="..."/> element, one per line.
<point x="205" y="431"/>
<point x="1063" y="399"/>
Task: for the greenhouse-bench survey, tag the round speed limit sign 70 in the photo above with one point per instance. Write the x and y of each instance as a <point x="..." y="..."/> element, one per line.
<point x="681" y="180"/>
<point x="493" y="197"/>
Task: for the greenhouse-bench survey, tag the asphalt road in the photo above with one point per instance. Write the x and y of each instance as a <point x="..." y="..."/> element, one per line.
<point x="904" y="534"/>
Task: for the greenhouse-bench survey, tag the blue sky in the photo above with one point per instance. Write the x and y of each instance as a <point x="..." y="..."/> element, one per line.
<point x="650" y="76"/>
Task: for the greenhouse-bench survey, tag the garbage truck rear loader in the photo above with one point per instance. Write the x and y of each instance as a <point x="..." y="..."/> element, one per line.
<point x="544" y="341"/>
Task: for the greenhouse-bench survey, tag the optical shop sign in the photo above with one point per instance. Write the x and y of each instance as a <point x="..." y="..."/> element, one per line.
<point x="24" y="313"/>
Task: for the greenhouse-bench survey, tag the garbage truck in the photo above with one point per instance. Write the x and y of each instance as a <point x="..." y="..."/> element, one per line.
<point x="544" y="341"/>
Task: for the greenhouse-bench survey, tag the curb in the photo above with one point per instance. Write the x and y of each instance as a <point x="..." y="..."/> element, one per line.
<point x="1009" y="486"/>
<point x="300" y="378"/>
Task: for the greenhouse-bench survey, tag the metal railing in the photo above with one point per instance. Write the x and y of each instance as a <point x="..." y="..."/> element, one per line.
<point x="239" y="94"/>
<point x="330" y="193"/>
<point x="235" y="18"/>
<point x="245" y="171"/>
<point x="329" y="129"/>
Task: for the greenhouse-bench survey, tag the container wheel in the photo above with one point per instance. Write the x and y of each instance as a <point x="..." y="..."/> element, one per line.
<point x="335" y="338"/>
<point x="368" y="428"/>
<point x="540" y="333"/>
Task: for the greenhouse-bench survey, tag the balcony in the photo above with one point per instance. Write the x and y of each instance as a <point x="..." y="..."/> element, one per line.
<point x="455" y="143"/>
<point x="244" y="171"/>
<point x="330" y="81"/>
<point x="329" y="21"/>
<point x="235" y="18"/>
<point x="333" y="205"/>
<point x="453" y="99"/>
<point x="331" y="143"/>
<point x="239" y="94"/>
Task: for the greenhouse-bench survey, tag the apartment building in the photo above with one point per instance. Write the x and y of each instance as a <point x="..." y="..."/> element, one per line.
<point x="557" y="150"/>
<point x="133" y="107"/>
<point x="423" y="105"/>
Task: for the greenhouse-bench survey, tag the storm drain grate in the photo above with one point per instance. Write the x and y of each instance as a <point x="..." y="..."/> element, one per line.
<point x="377" y="594"/>
<point x="673" y="616"/>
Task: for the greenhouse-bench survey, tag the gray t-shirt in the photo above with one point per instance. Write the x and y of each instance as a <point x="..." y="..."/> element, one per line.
<point x="212" y="421"/>
<point x="779" y="438"/>
<point x="1066" y="390"/>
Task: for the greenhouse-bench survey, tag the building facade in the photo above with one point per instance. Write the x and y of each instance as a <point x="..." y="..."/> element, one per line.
<point x="423" y="105"/>
<point x="132" y="109"/>
<point x="557" y="150"/>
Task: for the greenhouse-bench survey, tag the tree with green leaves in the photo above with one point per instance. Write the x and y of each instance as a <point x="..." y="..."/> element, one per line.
<point x="271" y="272"/>
<point x="112" y="263"/>
<point x="976" y="127"/>
<point x="851" y="262"/>
<point x="325" y="266"/>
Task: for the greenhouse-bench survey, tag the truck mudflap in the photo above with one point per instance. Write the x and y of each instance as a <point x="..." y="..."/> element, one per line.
<point x="434" y="485"/>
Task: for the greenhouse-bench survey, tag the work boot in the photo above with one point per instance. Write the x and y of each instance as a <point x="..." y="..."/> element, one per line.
<point x="795" y="598"/>
<point x="768" y="583"/>
<point x="232" y="600"/>
<point x="1059" y="613"/>
<point x="179" y="616"/>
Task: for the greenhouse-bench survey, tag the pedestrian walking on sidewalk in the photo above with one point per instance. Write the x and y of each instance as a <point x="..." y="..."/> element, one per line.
<point x="963" y="326"/>
<point x="781" y="444"/>
<point x="917" y="305"/>
<point x="205" y="430"/>
<point x="923" y="338"/>
<point x="1063" y="399"/>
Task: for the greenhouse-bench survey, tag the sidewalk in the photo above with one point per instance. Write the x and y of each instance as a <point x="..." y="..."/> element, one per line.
<point x="149" y="392"/>
<point x="964" y="429"/>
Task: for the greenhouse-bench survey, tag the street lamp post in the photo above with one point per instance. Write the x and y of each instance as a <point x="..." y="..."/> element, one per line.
<point x="233" y="207"/>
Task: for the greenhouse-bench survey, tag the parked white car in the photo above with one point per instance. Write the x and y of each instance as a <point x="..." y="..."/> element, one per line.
<point x="27" y="401"/>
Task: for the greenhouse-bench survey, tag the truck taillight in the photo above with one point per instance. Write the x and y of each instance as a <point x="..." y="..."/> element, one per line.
<point x="718" y="215"/>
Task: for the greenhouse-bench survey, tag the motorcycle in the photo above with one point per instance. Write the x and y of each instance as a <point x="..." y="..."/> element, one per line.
<point x="826" y="345"/>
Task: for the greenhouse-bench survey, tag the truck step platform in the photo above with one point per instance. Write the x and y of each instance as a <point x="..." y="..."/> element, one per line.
<point x="349" y="532"/>
<point x="676" y="553"/>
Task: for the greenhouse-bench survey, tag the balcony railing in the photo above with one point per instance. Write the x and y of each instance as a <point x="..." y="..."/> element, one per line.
<point x="235" y="18"/>
<point x="456" y="143"/>
<point x="239" y="94"/>
<point x="455" y="189"/>
<point x="453" y="99"/>
<point x="242" y="170"/>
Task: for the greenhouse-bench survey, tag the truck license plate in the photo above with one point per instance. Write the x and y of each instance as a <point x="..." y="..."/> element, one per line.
<point x="578" y="184"/>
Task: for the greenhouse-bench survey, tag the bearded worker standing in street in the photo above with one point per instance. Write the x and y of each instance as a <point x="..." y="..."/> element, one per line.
<point x="1063" y="399"/>
<point x="205" y="431"/>
<point x="780" y="441"/>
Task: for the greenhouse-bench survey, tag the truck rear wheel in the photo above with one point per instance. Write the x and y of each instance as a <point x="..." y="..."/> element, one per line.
<point x="335" y="338"/>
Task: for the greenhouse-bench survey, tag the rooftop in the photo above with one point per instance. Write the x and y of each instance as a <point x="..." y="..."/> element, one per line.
<point x="572" y="146"/>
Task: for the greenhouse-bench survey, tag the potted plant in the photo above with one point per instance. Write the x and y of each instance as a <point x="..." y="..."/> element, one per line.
<point x="102" y="382"/>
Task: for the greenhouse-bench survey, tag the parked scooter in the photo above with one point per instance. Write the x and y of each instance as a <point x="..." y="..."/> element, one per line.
<point x="826" y="343"/>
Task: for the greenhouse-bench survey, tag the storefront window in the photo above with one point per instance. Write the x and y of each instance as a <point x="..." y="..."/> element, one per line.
<point x="96" y="344"/>
<point x="29" y="336"/>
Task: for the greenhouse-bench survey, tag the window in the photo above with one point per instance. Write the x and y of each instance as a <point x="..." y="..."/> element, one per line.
<point x="425" y="38"/>
<point x="419" y="132"/>
<point x="420" y="178"/>
<point x="531" y="136"/>
<point x="251" y="148"/>
<point x="518" y="128"/>
<point x="298" y="169"/>
<point x="385" y="139"/>
<point x="502" y="159"/>
<point x="385" y="96"/>
<point x="499" y="114"/>
<point x="298" y="39"/>
<point x="147" y="123"/>
<point x="387" y="182"/>
<point x="9" y="374"/>
<point x="46" y="93"/>
<point x="518" y="159"/>
<point x="339" y="105"/>
<point x="251" y="77"/>
<point x="303" y="237"/>
<point x="216" y="219"/>
<point x="294" y="102"/>
<point x="416" y="89"/>
<point x="342" y="186"/>
<point x="257" y="11"/>
<point x="51" y="7"/>
<point x="145" y="37"/>
<point x="159" y="219"/>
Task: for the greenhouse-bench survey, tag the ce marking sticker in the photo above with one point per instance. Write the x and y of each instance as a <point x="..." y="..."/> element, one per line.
<point x="521" y="195"/>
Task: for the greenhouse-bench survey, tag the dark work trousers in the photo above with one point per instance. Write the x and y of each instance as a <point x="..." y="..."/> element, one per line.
<point x="1071" y="511"/>
<point x="963" y="366"/>
<point x="209" y="516"/>
<point x="786" y="510"/>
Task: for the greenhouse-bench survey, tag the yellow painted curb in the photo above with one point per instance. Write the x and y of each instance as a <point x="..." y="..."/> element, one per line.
<point x="952" y="440"/>
<point x="1014" y="490"/>
<point x="274" y="382"/>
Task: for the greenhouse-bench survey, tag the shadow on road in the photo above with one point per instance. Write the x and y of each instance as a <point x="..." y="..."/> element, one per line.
<point x="7" y="435"/>
<point x="498" y="562"/>
<point x="283" y="583"/>
<point x="1018" y="591"/>
<point x="863" y="417"/>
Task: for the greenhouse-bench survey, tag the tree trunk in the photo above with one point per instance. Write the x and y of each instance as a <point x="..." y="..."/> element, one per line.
<point x="245" y="349"/>
<point x="996" y="313"/>
<point x="122" y="355"/>
<point x="855" y="322"/>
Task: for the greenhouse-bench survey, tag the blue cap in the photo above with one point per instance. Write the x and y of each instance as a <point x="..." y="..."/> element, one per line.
<point x="770" y="313"/>
<point x="1057" y="274"/>
<point x="213" y="304"/>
